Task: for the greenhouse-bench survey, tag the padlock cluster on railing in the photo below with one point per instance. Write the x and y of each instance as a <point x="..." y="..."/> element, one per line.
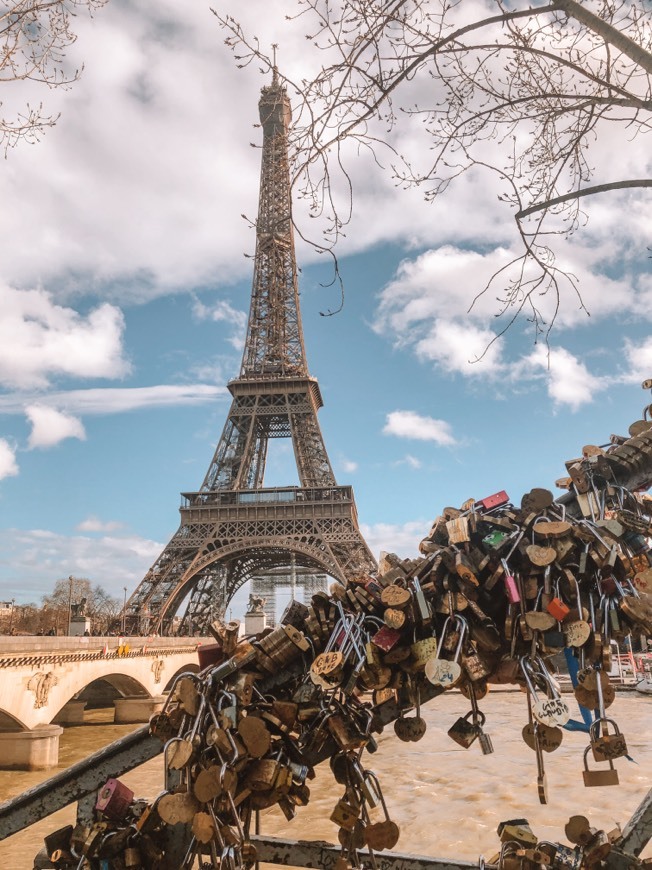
<point x="522" y="850"/>
<point x="498" y="590"/>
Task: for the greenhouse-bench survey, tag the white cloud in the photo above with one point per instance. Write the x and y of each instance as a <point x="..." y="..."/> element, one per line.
<point x="95" y="524"/>
<point x="50" y="426"/>
<point x="156" y="147"/>
<point x="402" y="539"/>
<point x="348" y="466"/>
<point x="409" y="424"/>
<point x="115" y="400"/>
<point x="38" y="558"/>
<point x="40" y="339"/>
<point x="639" y="358"/>
<point x="223" y="312"/>
<point x="568" y="380"/>
<point x="410" y="461"/>
<point x="8" y="464"/>
<point x="462" y="347"/>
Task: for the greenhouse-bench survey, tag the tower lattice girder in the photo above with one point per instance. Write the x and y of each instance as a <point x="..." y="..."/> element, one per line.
<point x="234" y="527"/>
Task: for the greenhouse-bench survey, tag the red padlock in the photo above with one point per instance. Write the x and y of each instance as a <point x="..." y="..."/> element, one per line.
<point x="608" y="585"/>
<point x="114" y="799"/>
<point x="386" y="638"/>
<point x="491" y="501"/>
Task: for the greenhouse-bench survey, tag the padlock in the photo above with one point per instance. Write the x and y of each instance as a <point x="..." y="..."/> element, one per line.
<point x="498" y="499"/>
<point x="345" y="814"/>
<point x="598" y="777"/>
<point x="558" y="608"/>
<point x="345" y="731"/>
<point x="511" y="586"/>
<point x="441" y="672"/>
<point x="114" y="799"/>
<point x="58" y="840"/>
<point x="597" y="849"/>
<point x="94" y="839"/>
<point x="421" y="604"/>
<point x="518" y="830"/>
<point x="386" y="638"/>
<point x="552" y="710"/>
<point x="607" y="746"/>
<point x="421" y="651"/>
<point x="463" y="731"/>
<point x="476" y="668"/>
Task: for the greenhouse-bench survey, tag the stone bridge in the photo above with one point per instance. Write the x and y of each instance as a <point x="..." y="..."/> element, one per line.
<point x="46" y="682"/>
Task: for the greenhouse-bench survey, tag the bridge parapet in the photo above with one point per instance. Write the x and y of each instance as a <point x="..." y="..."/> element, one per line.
<point x="40" y="676"/>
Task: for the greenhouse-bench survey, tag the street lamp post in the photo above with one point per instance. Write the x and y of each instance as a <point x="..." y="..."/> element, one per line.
<point x="69" y="603"/>
<point x="11" y="615"/>
<point x="124" y="613"/>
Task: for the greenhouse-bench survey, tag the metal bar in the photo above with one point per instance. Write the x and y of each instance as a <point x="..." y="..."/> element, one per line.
<point x="78" y="781"/>
<point x="304" y="853"/>
<point x="638" y="830"/>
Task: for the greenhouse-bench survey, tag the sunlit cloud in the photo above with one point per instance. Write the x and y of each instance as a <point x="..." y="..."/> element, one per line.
<point x="8" y="464"/>
<point x="348" y="466"/>
<point x="402" y="539"/>
<point x="39" y="557"/>
<point x="95" y="524"/>
<point x="409" y="424"/>
<point x="40" y="339"/>
<point x="115" y="400"/>
<point x="50" y="426"/>
<point x="568" y="380"/>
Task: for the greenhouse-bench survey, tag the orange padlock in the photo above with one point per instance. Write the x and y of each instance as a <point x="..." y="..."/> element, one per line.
<point x="558" y="609"/>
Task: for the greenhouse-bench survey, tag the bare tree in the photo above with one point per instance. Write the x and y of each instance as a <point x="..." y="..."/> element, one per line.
<point x="518" y="91"/>
<point x="34" y="37"/>
<point x="99" y="605"/>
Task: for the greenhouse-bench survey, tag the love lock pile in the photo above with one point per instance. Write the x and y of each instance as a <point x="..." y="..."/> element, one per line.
<point x="498" y="590"/>
<point x="522" y="850"/>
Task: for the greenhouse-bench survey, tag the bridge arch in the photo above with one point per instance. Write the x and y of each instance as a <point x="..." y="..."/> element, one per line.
<point x="10" y="723"/>
<point x="192" y="668"/>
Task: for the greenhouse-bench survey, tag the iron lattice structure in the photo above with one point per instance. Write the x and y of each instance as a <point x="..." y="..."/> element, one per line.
<point x="283" y="580"/>
<point x="234" y="528"/>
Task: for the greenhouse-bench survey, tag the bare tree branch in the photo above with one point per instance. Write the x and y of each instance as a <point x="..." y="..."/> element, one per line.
<point x="521" y="91"/>
<point x="587" y="191"/>
<point x="34" y="37"/>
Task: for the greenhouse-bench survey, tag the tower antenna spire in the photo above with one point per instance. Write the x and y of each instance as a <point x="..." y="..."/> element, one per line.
<point x="274" y="66"/>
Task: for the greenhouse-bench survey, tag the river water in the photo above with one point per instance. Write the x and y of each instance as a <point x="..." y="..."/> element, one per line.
<point x="447" y="800"/>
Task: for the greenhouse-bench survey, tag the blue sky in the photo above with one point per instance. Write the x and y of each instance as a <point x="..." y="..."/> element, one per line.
<point x="125" y="292"/>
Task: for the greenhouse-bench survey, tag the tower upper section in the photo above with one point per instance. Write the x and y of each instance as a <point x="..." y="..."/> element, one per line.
<point x="274" y="342"/>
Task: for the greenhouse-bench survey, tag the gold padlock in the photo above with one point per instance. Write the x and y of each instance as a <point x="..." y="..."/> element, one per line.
<point x="345" y="814"/>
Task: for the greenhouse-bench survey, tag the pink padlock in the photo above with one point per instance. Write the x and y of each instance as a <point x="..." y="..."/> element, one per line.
<point x="511" y="586"/>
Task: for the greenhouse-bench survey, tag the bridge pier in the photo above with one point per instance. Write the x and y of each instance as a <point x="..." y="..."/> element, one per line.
<point x="135" y="708"/>
<point x="71" y="714"/>
<point x="37" y="749"/>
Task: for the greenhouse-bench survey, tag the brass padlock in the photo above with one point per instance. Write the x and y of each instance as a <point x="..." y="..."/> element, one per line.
<point x="345" y="814"/>
<point x="607" y="746"/>
<point x="473" y="663"/>
<point x="598" y="777"/>
<point x="518" y="830"/>
<point x="94" y="839"/>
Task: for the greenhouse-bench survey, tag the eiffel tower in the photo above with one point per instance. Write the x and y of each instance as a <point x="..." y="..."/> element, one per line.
<point x="234" y="527"/>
